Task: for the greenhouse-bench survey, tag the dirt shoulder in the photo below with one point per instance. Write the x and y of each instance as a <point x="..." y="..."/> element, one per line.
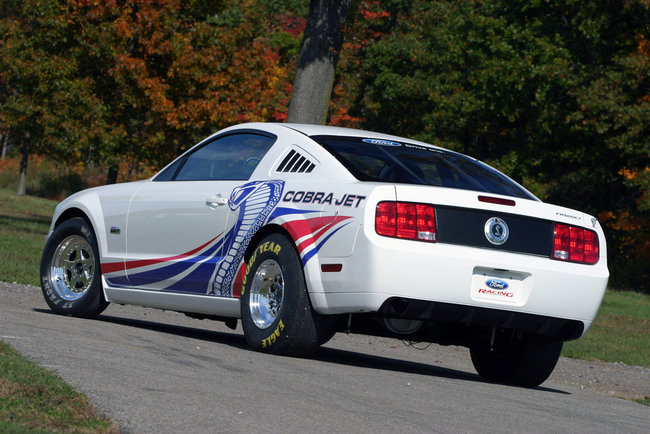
<point x="613" y="379"/>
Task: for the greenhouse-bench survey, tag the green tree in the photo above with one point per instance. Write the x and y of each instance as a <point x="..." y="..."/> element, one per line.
<point x="553" y="93"/>
<point x="45" y="103"/>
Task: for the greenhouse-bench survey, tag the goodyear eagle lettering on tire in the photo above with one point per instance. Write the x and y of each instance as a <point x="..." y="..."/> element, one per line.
<point x="276" y="313"/>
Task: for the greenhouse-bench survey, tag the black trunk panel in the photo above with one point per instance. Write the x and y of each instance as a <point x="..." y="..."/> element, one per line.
<point x="467" y="227"/>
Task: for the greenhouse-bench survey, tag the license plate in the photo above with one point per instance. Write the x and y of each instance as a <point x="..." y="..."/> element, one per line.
<point x="498" y="286"/>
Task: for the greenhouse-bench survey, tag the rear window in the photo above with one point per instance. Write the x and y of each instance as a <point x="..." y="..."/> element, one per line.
<point x="400" y="162"/>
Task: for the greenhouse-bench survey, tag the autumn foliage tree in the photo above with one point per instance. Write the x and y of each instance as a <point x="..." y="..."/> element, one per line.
<point x="177" y="72"/>
<point x="139" y="80"/>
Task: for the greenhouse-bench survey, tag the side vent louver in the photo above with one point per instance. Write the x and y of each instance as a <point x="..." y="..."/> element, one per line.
<point x="295" y="163"/>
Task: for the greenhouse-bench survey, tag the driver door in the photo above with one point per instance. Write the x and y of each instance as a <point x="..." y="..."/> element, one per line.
<point x="175" y="228"/>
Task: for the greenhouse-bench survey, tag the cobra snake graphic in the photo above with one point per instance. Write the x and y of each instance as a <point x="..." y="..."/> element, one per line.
<point x="255" y="201"/>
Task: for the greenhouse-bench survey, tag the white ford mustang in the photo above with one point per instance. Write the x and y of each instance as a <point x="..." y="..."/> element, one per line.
<point x="303" y="231"/>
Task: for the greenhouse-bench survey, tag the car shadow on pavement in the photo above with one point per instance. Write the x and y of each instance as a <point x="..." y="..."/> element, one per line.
<point x="231" y="339"/>
<point x="324" y="354"/>
<point x="362" y="360"/>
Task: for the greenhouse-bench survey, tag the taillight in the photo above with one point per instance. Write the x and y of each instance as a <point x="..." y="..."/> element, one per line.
<point x="386" y="219"/>
<point x="575" y="244"/>
<point x="406" y="220"/>
<point x="412" y="221"/>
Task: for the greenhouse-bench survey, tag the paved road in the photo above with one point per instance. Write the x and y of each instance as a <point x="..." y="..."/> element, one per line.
<point x="153" y="371"/>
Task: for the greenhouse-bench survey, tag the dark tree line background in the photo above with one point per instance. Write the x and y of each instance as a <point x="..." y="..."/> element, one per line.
<point x="554" y="93"/>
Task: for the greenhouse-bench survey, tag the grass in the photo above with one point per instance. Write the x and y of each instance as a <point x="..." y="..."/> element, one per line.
<point x="24" y="222"/>
<point x="620" y="332"/>
<point x="33" y="399"/>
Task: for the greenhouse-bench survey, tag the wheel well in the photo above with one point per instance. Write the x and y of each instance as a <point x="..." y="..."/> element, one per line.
<point x="261" y="234"/>
<point x="72" y="213"/>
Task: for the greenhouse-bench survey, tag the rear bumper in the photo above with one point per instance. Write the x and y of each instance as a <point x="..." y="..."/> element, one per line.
<point x="556" y="328"/>
<point x="444" y="277"/>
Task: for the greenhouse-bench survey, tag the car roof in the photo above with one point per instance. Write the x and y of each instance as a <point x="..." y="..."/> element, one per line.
<point x="325" y="130"/>
<point x="311" y="130"/>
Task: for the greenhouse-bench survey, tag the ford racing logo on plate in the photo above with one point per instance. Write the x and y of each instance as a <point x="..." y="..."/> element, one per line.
<point x="496" y="231"/>
<point x="496" y="284"/>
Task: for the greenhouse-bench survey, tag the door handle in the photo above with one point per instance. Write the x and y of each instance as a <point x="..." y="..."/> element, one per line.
<point x="216" y="201"/>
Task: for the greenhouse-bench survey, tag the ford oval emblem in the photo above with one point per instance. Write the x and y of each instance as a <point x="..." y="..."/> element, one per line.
<point x="496" y="284"/>
<point x="496" y="231"/>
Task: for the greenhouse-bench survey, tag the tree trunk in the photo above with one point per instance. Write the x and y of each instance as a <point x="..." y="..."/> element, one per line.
<point x="111" y="177"/>
<point x="319" y="52"/>
<point x="4" y="138"/>
<point x="22" y="177"/>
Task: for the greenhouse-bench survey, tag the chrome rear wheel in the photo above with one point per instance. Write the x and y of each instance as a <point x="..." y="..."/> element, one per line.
<point x="276" y="313"/>
<point x="266" y="293"/>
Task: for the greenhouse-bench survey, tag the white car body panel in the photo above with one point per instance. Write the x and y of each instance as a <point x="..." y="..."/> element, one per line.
<point x="162" y="246"/>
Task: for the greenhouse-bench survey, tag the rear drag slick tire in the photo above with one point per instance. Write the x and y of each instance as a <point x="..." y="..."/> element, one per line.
<point x="276" y="313"/>
<point x="527" y="362"/>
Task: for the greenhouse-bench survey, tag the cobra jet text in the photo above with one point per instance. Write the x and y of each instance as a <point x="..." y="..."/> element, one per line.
<point x="322" y="198"/>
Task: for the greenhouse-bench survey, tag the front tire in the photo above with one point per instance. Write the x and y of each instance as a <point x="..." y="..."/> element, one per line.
<point x="70" y="271"/>
<point x="526" y="362"/>
<point x="276" y="312"/>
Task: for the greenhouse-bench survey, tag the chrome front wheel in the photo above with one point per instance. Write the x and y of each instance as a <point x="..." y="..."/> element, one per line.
<point x="73" y="268"/>
<point x="71" y="279"/>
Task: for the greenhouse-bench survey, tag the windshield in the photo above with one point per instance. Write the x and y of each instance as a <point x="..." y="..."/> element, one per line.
<point x="400" y="162"/>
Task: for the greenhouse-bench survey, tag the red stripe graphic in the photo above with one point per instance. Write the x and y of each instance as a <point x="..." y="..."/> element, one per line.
<point x="112" y="267"/>
<point x="236" y="287"/>
<point x="316" y="227"/>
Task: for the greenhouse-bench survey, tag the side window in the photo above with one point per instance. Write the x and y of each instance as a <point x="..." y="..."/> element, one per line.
<point x="168" y="173"/>
<point x="232" y="157"/>
<point x="368" y="164"/>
